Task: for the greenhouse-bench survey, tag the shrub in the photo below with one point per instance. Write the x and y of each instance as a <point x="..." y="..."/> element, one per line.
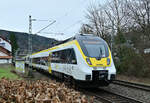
<point x="130" y="63"/>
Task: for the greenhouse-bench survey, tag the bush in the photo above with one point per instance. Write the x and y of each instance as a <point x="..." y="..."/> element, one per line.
<point x="130" y="63"/>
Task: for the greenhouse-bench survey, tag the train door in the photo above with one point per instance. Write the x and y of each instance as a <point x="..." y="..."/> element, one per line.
<point x="49" y="63"/>
<point x="71" y="61"/>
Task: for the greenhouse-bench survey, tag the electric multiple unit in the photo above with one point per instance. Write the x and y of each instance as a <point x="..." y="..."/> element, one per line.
<point x="84" y="58"/>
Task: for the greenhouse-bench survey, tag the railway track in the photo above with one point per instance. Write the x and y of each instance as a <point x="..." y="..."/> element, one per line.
<point x="132" y="85"/>
<point x="104" y="96"/>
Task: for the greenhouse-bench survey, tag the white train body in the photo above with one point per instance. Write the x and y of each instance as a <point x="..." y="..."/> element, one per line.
<point x="70" y="59"/>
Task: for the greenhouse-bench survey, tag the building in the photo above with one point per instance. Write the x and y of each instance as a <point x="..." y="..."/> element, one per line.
<point x="146" y="51"/>
<point x="5" y="51"/>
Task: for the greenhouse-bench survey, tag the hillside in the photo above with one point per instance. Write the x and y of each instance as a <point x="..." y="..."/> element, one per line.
<point x="38" y="42"/>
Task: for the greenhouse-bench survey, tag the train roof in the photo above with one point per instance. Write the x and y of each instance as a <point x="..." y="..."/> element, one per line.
<point x="87" y="37"/>
<point x="81" y="37"/>
<point x="78" y="37"/>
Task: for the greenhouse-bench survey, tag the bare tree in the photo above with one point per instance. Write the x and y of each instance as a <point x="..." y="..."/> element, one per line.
<point x="97" y="20"/>
<point x="117" y="14"/>
<point x="109" y="19"/>
<point x="140" y="14"/>
<point x="86" y="29"/>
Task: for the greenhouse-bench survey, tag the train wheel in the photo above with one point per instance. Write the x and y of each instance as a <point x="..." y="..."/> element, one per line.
<point x="73" y="83"/>
<point x="69" y="81"/>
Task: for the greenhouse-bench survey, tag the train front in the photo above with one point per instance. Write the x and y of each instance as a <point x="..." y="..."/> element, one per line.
<point x="98" y="68"/>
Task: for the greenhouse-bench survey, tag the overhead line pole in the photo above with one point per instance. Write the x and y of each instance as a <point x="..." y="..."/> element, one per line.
<point x="30" y="46"/>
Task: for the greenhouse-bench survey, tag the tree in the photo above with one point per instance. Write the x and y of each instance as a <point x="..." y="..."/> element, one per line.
<point x="139" y="11"/>
<point x="119" y="38"/>
<point x="14" y="44"/>
<point x="125" y="23"/>
<point x="97" y="22"/>
<point x="86" y="29"/>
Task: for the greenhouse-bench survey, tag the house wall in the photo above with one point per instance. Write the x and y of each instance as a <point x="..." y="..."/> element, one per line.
<point x="3" y="61"/>
<point x="3" y="54"/>
<point x="5" y="44"/>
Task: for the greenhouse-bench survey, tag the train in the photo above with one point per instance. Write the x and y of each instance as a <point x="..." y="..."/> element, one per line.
<point x="84" y="59"/>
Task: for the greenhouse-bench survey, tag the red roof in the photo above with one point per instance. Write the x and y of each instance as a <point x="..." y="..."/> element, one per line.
<point x="2" y="49"/>
<point x="5" y="57"/>
<point x="5" y="39"/>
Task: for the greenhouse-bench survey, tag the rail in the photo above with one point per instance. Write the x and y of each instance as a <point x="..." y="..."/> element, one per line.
<point x="132" y="85"/>
<point x="105" y="96"/>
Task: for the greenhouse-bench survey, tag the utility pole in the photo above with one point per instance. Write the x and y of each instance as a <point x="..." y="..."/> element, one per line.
<point x="30" y="47"/>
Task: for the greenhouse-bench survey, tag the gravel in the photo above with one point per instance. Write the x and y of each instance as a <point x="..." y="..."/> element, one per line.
<point x="129" y="92"/>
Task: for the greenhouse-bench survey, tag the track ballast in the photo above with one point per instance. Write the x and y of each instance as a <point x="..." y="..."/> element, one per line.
<point x="132" y="85"/>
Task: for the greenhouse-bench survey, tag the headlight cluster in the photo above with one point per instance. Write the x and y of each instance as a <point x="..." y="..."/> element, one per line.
<point x="88" y="61"/>
<point x="108" y="61"/>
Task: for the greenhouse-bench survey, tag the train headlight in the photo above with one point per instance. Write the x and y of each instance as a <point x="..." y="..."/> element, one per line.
<point x="88" y="61"/>
<point x="108" y="61"/>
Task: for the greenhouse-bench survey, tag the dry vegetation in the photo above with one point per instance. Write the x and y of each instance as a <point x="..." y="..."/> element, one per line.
<point x="39" y="91"/>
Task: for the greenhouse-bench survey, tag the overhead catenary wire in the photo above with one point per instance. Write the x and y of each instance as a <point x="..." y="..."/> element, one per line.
<point x="68" y="13"/>
<point x="67" y="28"/>
<point x="72" y="25"/>
<point x="42" y="20"/>
<point x="46" y="26"/>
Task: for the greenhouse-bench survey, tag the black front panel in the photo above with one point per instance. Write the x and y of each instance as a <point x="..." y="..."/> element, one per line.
<point x="99" y="75"/>
<point x="112" y="77"/>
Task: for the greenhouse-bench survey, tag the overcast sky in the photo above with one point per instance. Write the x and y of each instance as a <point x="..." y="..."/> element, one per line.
<point x="69" y="15"/>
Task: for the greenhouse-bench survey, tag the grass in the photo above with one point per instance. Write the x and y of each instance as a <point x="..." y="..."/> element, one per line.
<point x="5" y="71"/>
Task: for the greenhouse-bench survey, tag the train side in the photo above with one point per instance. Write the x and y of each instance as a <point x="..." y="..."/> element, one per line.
<point x="85" y="59"/>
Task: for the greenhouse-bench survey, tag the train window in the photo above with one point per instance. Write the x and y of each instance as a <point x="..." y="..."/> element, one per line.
<point x="100" y="47"/>
<point x="44" y="61"/>
<point x="41" y="61"/>
<point x="100" y="50"/>
<point x="64" y="56"/>
<point x="71" y="57"/>
<point x="55" y="57"/>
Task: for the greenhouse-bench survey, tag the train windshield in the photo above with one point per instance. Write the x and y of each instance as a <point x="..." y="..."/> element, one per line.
<point x="95" y="49"/>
